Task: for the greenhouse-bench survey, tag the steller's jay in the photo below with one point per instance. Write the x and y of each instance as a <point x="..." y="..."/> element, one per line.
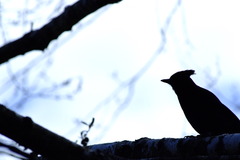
<point x="203" y="110"/>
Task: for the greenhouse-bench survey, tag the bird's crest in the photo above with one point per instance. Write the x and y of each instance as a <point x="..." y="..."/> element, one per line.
<point x="186" y="73"/>
<point x="179" y="77"/>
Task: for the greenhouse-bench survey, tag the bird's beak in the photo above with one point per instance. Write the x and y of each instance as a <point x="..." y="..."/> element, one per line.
<point x="166" y="81"/>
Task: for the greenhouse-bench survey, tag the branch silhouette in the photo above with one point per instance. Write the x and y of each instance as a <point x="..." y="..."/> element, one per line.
<point x="40" y="39"/>
<point x="40" y="140"/>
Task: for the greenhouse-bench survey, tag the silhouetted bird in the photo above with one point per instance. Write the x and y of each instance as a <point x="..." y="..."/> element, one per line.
<point x="204" y="111"/>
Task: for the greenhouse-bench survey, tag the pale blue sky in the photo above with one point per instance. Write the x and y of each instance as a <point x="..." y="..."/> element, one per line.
<point x="203" y="35"/>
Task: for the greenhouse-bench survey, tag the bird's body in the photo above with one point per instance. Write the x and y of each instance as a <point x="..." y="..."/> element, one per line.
<point x="204" y="111"/>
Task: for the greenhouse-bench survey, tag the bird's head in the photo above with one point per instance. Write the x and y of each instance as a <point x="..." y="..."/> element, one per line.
<point x="180" y="78"/>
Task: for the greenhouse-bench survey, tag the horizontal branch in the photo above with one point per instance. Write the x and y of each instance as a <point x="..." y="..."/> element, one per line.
<point x="40" y="39"/>
<point x="198" y="148"/>
<point x="52" y="146"/>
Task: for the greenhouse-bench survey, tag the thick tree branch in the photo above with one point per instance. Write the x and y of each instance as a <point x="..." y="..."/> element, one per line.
<point x="42" y="141"/>
<point x="52" y="146"/>
<point x="39" y="39"/>
<point x="223" y="147"/>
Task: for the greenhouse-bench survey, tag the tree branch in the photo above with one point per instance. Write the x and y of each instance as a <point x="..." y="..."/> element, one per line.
<point x="40" y="140"/>
<point x="52" y="146"/>
<point x="223" y="147"/>
<point x="39" y="39"/>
